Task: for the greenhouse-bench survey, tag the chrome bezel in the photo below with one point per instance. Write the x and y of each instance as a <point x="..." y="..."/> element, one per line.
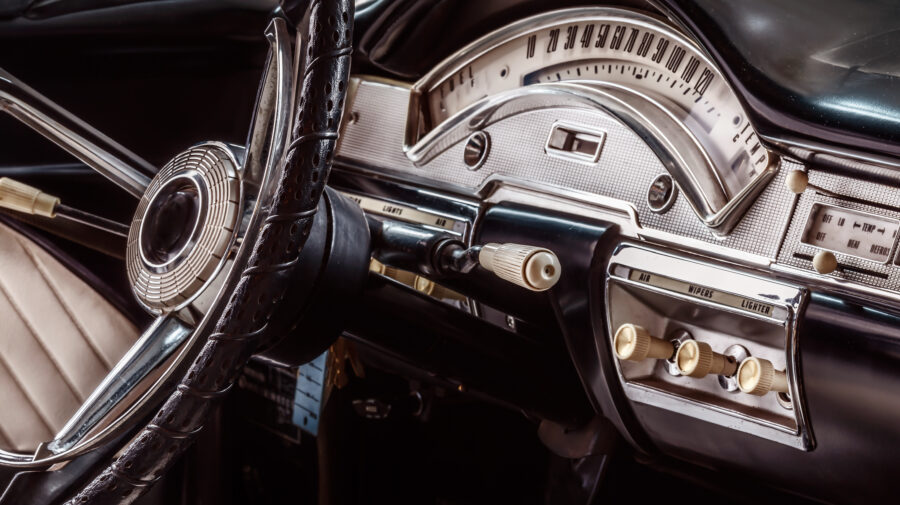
<point x="787" y="299"/>
<point x="673" y="194"/>
<point x="197" y="182"/>
<point x="813" y="209"/>
<point x="420" y="147"/>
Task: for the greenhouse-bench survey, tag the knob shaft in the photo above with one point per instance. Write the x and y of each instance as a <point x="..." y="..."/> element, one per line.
<point x="530" y="267"/>
<point x="758" y="376"/>
<point x="633" y="343"/>
<point x="697" y="359"/>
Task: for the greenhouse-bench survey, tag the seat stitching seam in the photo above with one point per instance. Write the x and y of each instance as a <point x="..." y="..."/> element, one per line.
<point x="48" y="281"/>
<point x="37" y="338"/>
<point x="4" y="435"/>
<point x="25" y="392"/>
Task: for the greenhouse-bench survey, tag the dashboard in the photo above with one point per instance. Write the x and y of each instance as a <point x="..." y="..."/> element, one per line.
<point x="722" y="246"/>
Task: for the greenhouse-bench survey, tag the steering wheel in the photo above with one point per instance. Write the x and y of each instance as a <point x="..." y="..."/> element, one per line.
<point x="223" y="238"/>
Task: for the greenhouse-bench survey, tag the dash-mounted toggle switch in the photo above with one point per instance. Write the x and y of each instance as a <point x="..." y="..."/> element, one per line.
<point x="575" y="142"/>
<point x="634" y="343"/>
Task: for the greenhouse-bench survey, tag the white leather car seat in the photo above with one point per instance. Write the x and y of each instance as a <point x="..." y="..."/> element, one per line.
<point x="58" y="339"/>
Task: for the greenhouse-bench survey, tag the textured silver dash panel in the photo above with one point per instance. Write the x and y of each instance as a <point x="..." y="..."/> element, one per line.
<point x="625" y="170"/>
<point x="885" y="276"/>
<point x="375" y="136"/>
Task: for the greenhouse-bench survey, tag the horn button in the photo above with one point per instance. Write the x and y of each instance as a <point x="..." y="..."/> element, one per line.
<point x="184" y="227"/>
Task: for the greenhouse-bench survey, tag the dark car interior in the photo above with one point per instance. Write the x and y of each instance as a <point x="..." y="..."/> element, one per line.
<point x="449" y="252"/>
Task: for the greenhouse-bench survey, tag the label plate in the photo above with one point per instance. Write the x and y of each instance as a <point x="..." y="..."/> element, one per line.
<point x="701" y="292"/>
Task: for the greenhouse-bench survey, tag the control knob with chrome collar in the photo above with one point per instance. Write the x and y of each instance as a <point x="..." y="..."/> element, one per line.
<point x="697" y="359"/>
<point x="435" y="254"/>
<point x="633" y="343"/>
<point x="757" y="376"/>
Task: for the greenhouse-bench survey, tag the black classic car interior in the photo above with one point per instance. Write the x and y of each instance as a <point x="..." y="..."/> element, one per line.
<point x="449" y="251"/>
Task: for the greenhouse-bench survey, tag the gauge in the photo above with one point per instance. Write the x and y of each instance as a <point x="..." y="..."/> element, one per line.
<point x="850" y="232"/>
<point x="604" y="45"/>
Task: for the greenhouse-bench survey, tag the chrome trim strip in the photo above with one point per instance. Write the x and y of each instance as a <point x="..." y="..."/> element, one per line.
<point x="112" y="160"/>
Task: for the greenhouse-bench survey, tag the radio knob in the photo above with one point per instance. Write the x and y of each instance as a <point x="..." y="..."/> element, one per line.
<point x="697" y="359"/>
<point x="633" y="343"/>
<point x="757" y="376"/>
<point x="824" y="262"/>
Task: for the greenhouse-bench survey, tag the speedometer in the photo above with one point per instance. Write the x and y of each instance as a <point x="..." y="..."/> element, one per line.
<point x="601" y="45"/>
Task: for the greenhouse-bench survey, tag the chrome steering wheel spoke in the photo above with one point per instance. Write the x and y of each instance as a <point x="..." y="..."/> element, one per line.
<point x="118" y="164"/>
<point x="216" y="193"/>
<point x="154" y="346"/>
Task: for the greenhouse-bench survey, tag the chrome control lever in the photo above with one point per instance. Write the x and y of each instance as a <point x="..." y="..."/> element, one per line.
<point x="28" y="200"/>
<point x="436" y="254"/>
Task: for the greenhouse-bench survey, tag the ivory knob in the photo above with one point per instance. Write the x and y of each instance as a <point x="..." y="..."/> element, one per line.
<point x="824" y="262"/>
<point x="697" y="359"/>
<point x="633" y="343"/>
<point x="757" y="376"/>
<point x="533" y="268"/>
<point x="796" y="181"/>
<point x="21" y="197"/>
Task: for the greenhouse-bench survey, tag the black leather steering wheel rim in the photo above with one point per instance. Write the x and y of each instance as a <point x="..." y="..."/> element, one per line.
<point x="242" y="328"/>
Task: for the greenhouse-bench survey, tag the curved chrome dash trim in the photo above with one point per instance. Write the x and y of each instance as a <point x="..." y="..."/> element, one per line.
<point x="674" y="144"/>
